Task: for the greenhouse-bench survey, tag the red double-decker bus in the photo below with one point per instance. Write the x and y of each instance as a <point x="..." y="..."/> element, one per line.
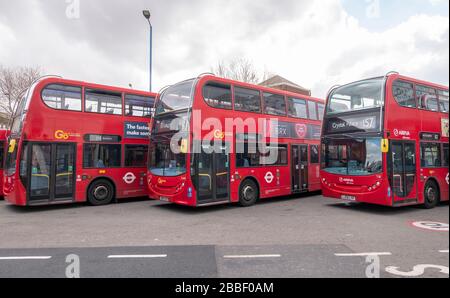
<point x="385" y="141"/>
<point x="3" y="136"/>
<point x="74" y="141"/>
<point x="217" y="141"/>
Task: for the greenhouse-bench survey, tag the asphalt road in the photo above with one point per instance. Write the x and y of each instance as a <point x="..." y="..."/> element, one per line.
<point x="292" y="237"/>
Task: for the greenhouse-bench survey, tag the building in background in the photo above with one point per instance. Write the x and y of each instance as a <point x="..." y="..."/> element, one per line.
<point x="278" y="82"/>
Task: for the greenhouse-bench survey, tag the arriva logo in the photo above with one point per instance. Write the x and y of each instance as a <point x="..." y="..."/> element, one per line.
<point x="161" y="181"/>
<point x="61" y="135"/>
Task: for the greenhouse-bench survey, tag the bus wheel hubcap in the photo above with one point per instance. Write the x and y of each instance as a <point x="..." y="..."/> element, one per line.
<point x="431" y="195"/>
<point x="101" y="193"/>
<point x="248" y="193"/>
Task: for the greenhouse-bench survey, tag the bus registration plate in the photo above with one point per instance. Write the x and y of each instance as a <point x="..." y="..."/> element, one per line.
<point x="348" y="198"/>
<point x="164" y="199"/>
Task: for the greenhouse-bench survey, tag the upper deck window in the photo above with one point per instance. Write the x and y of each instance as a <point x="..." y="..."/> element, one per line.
<point x="321" y="110"/>
<point x="443" y="101"/>
<point x="357" y="96"/>
<point x="274" y="104"/>
<point x="62" y="97"/>
<point x="312" y="110"/>
<point x="404" y="94"/>
<point x="247" y="100"/>
<point x="98" y="101"/>
<point x="427" y="98"/>
<point x="218" y="95"/>
<point x="139" y="106"/>
<point x="175" y="98"/>
<point x="297" y="108"/>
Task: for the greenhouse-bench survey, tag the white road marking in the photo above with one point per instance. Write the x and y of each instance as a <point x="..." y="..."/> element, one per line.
<point x="444" y="251"/>
<point x="367" y="254"/>
<point x="418" y="270"/>
<point x="251" y="256"/>
<point x="136" y="256"/>
<point x="25" y="258"/>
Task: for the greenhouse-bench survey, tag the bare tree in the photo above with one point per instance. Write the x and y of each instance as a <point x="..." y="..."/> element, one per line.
<point x="14" y="82"/>
<point x="239" y="69"/>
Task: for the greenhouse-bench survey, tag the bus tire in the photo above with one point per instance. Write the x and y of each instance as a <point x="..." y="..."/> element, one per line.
<point x="248" y="193"/>
<point x="100" y="192"/>
<point x="431" y="195"/>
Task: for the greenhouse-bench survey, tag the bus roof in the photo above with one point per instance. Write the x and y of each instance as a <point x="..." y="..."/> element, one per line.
<point x="59" y="80"/>
<point x="417" y="81"/>
<point x="210" y="77"/>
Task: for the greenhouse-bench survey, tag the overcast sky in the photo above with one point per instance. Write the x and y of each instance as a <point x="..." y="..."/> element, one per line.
<point x="315" y="43"/>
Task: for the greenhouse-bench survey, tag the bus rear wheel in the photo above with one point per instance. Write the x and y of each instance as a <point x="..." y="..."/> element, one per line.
<point x="431" y="195"/>
<point x="248" y="193"/>
<point x="101" y="192"/>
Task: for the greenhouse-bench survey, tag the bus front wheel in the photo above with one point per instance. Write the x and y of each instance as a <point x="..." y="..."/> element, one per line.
<point x="431" y="195"/>
<point x="101" y="192"/>
<point x="248" y="194"/>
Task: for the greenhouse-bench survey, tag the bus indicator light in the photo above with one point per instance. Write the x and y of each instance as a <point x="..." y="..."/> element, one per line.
<point x="12" y="146"/>
<point x="384" y="145"/>
<point x="184" y="146"/>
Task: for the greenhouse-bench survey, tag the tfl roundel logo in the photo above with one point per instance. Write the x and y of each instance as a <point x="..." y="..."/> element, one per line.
<point x="301" y="130"/>
<point x="269" y="177"/>
<point x="129" y="178"/>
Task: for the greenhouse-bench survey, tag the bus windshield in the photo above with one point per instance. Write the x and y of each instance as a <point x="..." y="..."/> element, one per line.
<point x="362" y="95"/>
<point x="352" y="157"/>
<point x="16" y="125"/>
<point x="164" y="162"/>
<point x="168" y="134"/>
<point x="175" y="98"/>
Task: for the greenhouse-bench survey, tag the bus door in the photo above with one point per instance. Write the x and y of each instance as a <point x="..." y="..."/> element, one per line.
<point x="51" y="171"/>
<point x="299" y="168"/>
<point x="213" y="175"/>
<point x="402" y="171"/>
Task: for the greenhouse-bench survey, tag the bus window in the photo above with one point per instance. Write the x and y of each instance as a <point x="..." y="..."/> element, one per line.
<point x="62" y="97"/>
<point x="427" y="98"/>
<point x="247" y="100"/>
<point x="430" y="155"/>
<point x="321" y="110"/>
<point x="136" y="155"/>
<point x="297" y="108"/>
<point x="217" y="95"/>
<point x="314" y="154"/>
<point x="404" y="94"/>
<point x="97" y="156"/>
<point x="312" y="109"/>
<point x="103" y="102"/>
<point x="23" y="167"/>
<point x="445" y="156"/>
<point x="274" y="104"/>
<point x="139" y="106"/>
<point x="357" y="96"/>
<point x="2" y="150"/>
<point x="443" y="101"/>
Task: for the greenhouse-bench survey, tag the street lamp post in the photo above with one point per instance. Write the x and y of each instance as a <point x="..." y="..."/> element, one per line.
<point x="147" y="15"/>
